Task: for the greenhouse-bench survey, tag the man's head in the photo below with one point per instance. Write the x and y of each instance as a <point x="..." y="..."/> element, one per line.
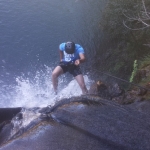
<point x="70" y="47"/>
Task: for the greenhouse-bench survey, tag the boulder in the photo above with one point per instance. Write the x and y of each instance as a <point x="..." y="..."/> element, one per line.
<point x="100" y="89"/>
<point x="85" y="122"/>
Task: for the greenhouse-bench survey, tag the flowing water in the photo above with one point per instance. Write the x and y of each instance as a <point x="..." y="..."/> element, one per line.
<point x="30" y="33"/>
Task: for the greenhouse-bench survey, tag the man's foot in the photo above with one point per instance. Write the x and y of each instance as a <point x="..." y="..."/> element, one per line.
<point x="55" y="92"/>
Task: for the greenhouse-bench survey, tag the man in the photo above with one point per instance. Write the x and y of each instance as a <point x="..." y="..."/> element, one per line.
<point x="71" y="55"/>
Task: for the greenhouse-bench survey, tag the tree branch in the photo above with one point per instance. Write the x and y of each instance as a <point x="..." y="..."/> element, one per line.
<point x="124" y="23"/>
<point x="145" y="9"/>
<point x="143" y="20"/>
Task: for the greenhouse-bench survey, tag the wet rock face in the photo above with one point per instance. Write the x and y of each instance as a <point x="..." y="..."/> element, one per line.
<point x="115" y="90"/>
<point x="143" y="106"/>
<point x="100" y="89"/>
<point x="104" y="91"/>
<point x="7" y="114"/>
<point x="117" y="94"/>
<point x="132" y="96"/>
<point x="86" y="122"/>
<point x="94" y="87"/>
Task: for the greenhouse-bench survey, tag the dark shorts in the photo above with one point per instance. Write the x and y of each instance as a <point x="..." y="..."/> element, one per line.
<point x="71" y="68"/>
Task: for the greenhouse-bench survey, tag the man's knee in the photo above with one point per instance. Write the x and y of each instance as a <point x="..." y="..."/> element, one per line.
<point x="55" y="75"/>
<point x="57" y="71"/>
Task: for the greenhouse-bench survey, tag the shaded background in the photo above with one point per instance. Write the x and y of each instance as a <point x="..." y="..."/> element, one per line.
<point x="30" y="33"/>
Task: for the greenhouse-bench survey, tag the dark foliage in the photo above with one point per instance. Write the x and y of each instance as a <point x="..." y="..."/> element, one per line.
<point x="122" y="43"/>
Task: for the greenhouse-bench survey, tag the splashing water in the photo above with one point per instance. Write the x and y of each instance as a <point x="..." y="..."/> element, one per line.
<point x="28" y="116"/>
<point x="38" y="91"/>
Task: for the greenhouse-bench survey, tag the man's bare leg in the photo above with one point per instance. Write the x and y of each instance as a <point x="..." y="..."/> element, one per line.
<point x="81" y="83"/>
<point x="56" y="72"/>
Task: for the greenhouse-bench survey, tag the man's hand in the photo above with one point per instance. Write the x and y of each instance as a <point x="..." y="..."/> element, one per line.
<point x="77" y="62"/>
<point x="81" y="60"/>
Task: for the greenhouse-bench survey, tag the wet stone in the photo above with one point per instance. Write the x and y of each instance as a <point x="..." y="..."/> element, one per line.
<point x="76" y="126"/>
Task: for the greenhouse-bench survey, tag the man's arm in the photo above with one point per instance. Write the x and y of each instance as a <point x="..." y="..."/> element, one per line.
<point x="81" y="60"/>
<point x="61" y="55"/>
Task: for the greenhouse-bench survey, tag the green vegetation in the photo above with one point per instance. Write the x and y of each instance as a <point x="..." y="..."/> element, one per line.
<point x="144" y="62"/>
<point x="135" y="65"/>
<point x="125" y="26"/>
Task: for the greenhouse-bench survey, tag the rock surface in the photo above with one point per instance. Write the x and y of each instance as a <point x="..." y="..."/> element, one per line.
<point x="86" y="122"/>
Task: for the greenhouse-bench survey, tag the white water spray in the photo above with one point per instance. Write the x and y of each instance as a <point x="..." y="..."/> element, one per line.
<point x="38" y="91"/>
